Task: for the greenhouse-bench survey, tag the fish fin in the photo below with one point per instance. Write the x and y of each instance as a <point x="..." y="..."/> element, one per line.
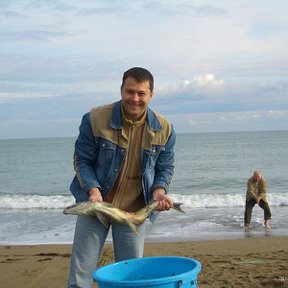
<point x="133" y="226"/>
<point x="177" y="207"/>
<point x="103" y="219"/>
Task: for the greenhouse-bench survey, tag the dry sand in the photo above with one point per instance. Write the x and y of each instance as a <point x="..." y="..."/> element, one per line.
<point x="249" y="262"/>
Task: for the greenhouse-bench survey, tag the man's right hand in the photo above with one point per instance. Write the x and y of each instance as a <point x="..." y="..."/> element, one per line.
<point x="95" y="195"/>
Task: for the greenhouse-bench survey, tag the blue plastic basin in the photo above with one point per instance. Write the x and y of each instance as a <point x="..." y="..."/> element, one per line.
<point x="164" y="271"/>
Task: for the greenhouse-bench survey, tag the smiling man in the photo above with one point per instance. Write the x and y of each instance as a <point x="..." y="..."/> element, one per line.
<point x="124" y="155"/>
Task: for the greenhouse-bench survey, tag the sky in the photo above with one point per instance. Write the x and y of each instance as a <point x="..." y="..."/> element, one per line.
<point x="218" y="65"/>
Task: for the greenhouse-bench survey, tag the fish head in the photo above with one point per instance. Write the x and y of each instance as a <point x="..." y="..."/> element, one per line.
<point x="81" y="208"/>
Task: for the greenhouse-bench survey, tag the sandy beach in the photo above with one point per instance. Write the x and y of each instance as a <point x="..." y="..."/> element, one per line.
<point x="249" y="262"/>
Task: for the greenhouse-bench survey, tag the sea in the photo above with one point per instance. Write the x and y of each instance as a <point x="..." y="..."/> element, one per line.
<point x="211" y="172"/>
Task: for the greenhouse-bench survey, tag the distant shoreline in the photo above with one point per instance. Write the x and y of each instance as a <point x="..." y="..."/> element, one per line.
<point x="178" y="133"/>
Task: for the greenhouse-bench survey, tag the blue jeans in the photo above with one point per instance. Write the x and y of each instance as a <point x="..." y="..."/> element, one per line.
<point x="89" y="238"/>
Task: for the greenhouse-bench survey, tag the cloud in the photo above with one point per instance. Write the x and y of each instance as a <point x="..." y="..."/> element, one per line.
<point x="230" y="121"/>
<point x="204" y="81"/>
<point x="207" y="94"/>
<point x="12" y="96"/>
<point x="216" y="61"/>
<point x="39" y="35"/>
<point x="266" y="29"/>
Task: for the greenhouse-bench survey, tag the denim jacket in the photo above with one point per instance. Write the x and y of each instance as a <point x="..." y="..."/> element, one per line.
<point x="101" y="147"/>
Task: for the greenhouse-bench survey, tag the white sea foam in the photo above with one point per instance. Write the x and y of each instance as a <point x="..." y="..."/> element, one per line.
<point x="202" y="200"/>
<point x="34" y="202"/>
<point x="189" y="201"/>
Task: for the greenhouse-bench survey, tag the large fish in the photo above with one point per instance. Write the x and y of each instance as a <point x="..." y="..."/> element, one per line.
<point x="105" y="211"/>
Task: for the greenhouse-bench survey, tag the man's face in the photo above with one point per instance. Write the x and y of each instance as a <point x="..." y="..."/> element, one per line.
<point x="257" y="177"/>
<point x="136" y="97"/>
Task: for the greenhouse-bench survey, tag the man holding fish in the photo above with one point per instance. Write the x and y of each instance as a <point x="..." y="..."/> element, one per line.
<point x="124" y="159"/>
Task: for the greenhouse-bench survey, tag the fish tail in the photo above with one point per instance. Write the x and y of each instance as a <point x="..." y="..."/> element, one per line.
<point x="133" y="226"/>
<point x="177" y="207"/>
<point x="103" y="219"/>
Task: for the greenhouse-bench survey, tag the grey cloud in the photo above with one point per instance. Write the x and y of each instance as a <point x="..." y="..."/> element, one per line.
<point x="55" y="5"/>
<point x="39" y="35"/>
<point x="230" y="121"/>
<point x="272" y="96"/>
<point x="10" y="14"/>
<point x="265" y="29"/>
<point x="185" y="8"/>
<point x="60" y="69"/>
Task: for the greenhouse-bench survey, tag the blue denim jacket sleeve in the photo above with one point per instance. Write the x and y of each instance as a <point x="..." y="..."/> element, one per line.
<point x="164" y="168"/>
<point x="85" y="156"/>
<point x="161" y="174"/>
<point x="159" y="169"/>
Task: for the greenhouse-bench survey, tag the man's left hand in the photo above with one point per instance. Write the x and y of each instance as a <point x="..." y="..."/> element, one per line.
<point x="165" y="203"/>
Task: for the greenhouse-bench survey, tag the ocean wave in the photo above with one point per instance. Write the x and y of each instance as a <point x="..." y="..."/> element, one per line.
<point x="212" y="200"/>
<point x="34" y="202"/>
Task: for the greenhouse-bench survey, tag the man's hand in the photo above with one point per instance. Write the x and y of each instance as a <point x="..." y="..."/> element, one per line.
<point x="165" y="203"/>
<point x="95" y="195"/>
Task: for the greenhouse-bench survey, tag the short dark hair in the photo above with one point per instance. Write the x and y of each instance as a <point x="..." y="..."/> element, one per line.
<point x="140" y="75"/>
